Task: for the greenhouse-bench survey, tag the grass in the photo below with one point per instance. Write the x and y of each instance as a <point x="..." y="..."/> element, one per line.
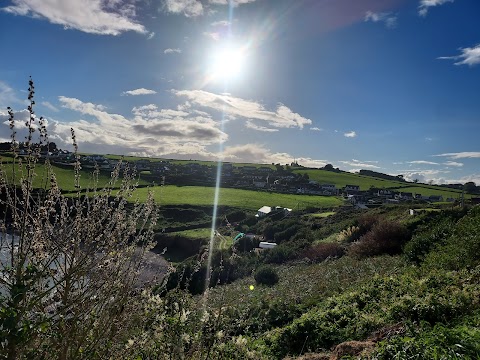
<point x="243" y="199"/>
<point x="201" y="233"/>
<point x="65" y="176"/>
<point x="323" y="214"/>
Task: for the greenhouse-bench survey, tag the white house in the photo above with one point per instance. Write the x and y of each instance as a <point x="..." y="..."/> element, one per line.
<point x="263" y="211"/>
<point x="267" y="245"/>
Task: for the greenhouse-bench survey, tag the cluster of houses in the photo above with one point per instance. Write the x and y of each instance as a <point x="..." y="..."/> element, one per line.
<point x="378" y="196"/>
<point x="268" y="178"/>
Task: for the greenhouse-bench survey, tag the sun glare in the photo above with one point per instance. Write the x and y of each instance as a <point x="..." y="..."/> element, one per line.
<point x="228" y="63"/>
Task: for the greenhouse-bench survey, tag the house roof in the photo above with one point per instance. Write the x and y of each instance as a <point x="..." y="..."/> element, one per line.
<point x="265" y="209"/>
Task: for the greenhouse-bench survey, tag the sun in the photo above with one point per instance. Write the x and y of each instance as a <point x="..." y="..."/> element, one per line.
<point x="228" y="63"/>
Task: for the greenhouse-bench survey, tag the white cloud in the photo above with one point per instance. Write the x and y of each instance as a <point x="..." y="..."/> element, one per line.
<point x="151" y="35"/>
<point x="469" y="56"/>
<point x="7" y="95"/>
<point x="350" y="134"/>
<point x="255" y="153"/>
<point x="249" y="124"/>
<point x="221" y="23"/>
<point x="189" y="8"/>
<point x="212" y="35"/>
<point x="172" y="51"/>
<point x="453" y="163"/>
<point x="387" y="18"/>
<point x="150" y="132"/>
<point x="461" y="155"/>
<point x="233" y="2"/>
<point x="426" y="4"/>
<point x="283" y="117"/>
<point x="90" y="16"/>
<point x="315" y="128"/>
<point x="423" y="162"/>
<point x="141" y="91"/>
<point x="49" y="106"/>
<point x="361" y="164"/>
<point x="193" y="8"/>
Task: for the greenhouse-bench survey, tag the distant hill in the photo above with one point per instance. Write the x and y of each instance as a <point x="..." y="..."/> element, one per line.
<point x="340" y="179"/>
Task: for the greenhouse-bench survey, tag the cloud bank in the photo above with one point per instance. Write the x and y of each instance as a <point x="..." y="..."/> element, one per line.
<point x="111" y="17"/>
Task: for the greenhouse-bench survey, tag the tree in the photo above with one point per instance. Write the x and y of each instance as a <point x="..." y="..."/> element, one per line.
<point x="470" y="187"/>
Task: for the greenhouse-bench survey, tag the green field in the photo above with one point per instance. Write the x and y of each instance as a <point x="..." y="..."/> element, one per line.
<point x="244" y="199"/>
<point x="64" y="176"/>
<point x="365" y="182"/>
<point x="323" y="214"/>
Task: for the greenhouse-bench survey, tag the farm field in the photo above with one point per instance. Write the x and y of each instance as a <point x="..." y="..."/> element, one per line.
<point x="65" y="176"/>
<point x="243" y="199"/>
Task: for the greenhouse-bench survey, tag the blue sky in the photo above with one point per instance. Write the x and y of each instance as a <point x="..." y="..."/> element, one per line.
<point x="387" y="85"/>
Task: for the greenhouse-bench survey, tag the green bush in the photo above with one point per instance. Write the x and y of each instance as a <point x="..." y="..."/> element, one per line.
<point x="286" y="251"/>
<point x="266" y="275"/>
<point x="423" y="242"/>
<point x="437" y="297"/>
<point x="462" y="247"/>
<point x="437" y="342"/>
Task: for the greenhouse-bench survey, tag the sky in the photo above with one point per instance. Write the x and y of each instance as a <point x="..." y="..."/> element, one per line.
<point x="384" y="85"/>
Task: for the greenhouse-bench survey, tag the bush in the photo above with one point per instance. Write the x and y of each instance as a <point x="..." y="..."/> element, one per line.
<point x="386" y="237"/>
<point x="286" y="251"/>
<point x="461" y="249"/>
<point x="324" y="251"/>
<point x="422" y="243"/>
<point x="438" y="342"/>
<point x="266" y="275"/>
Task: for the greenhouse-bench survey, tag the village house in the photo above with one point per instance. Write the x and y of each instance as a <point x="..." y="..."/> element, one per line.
<point x="352" y="189"/>
<point x="263" y="211"/>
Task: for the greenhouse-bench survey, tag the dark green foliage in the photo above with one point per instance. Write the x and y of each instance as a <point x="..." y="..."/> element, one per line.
<point x="437" y="297"/>
<point x="286" y="234"/>
<point x="323" y="251"/>
<point x="385" y="237"/>
<point x="266" y="275"/>
<point x="191" y="274"/>
<point x="437" y="342"/>
<point x="245" y="244"/>
<point x="286" y="251"/>
<point x="269" y="228"/>
<point x="423" y="242"/>
<point x="462" y="248"/>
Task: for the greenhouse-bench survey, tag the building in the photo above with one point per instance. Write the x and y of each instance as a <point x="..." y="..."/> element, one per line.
<point x="263" y="211"/>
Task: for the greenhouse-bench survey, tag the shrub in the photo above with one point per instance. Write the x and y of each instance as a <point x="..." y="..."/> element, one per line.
<point x="324" y="251"/>
<point x="438" y="342"/>
<point x="461" y="249"/>
<point x="423" y="242"/>
<point x="69" y="265"/>
<point x="245" y="244"/>
<point x="386" y="237"/>
<point x="286" y="251"/>
<point x="349" y="234"/>
<point x="266" y="275"/>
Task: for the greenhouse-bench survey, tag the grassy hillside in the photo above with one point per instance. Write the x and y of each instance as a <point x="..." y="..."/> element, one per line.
<point x="244" y="199"/>
<point x="65" y="176"/>
<point x="365" y="182"/>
